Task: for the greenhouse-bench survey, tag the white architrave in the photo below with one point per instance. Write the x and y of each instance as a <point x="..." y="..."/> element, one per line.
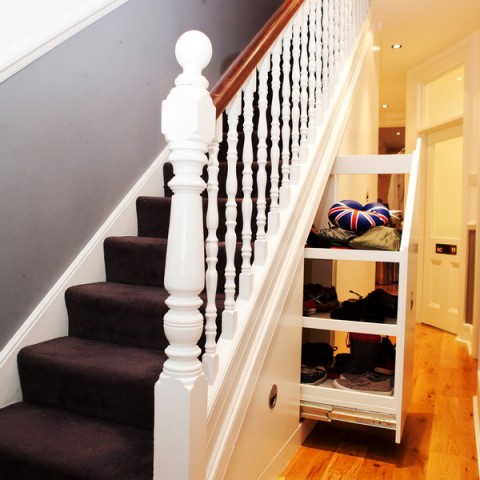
<point x="188" y="123"/>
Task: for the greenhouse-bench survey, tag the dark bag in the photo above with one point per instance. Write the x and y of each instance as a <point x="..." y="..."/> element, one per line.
<point x="317" y="354"/>
<point x="336" y="236"/>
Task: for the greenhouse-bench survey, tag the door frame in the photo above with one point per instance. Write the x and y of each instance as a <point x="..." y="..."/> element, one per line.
<point x="464" y="52"/>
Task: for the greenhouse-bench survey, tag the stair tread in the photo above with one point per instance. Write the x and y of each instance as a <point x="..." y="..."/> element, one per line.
<point x="55" y="444"/>
<point x="119" y="313"/>
<point x="98" y="357"/>
<point x="107" y="381"/>
<point x="138" y="296"/>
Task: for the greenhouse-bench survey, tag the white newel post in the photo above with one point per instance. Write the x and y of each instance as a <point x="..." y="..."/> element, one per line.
<point x="188" y="123"/>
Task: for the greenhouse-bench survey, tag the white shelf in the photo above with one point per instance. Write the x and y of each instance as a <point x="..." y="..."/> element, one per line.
<point x="352" y="254"/>
<point x="327" y="394"/>
<point x="323" y="322"/>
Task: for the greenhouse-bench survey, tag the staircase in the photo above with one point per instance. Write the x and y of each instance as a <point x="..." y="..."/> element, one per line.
<point x="89" y="401"/>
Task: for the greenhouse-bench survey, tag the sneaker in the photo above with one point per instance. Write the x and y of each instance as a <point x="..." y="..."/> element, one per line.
<point x="369" y="382"/>
<point x="313" y="375"/>
<point x="323" y="298"/>
<point x="309" y="307"/>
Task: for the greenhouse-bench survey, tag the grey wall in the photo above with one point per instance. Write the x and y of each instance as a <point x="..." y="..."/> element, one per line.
<point x="81" y="124"/>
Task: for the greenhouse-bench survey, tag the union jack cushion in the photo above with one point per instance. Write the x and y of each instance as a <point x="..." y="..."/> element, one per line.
<point x="352" y="215"/>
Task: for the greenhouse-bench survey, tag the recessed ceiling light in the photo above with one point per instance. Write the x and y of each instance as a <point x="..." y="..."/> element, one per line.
<point x="397" y="134"/>
<point x="385" y="105"/>
<point x="396" y="46"/>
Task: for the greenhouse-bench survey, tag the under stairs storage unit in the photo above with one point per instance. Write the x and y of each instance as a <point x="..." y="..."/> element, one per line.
<point x="324" y="402"/>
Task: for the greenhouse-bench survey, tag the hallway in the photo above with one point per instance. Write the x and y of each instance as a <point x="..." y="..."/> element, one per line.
<point x="438" y="440"/>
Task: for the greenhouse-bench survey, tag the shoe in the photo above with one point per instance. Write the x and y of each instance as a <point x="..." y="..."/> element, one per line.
<point x="342" y="361"/>
<point x="313" y="375"/>
<point x="387" y="302"/>
<point x="364" y="309"/>
<point x="386" y="358"/>
<point x="309" y="307"/>
<point x="324" y="298"/>
<point x="368" y="382"/>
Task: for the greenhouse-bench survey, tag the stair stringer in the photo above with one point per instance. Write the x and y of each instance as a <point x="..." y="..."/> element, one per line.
<point x="49" y="319"/>
<point x="259" y="318"/>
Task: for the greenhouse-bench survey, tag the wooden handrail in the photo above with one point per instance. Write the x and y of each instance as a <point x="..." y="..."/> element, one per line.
<point x="238" y="72"/>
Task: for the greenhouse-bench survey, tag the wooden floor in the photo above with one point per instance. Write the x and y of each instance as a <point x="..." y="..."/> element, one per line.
<point x="438" y="440"/>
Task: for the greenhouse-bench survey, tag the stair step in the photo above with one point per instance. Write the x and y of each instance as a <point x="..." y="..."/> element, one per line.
<point x="119" y="313"/>
<point x="124" y="314"/>
<point x="42" y="443"/>
<point x="106" y="381"/>
<point x="135" y="260"/>
<point x="153" y="215"/>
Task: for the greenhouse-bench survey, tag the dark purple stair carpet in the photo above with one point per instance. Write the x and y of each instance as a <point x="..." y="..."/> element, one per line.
<point x="120" y="313"/>
<point x="135" y="260"/>
<point x="42" y="443"/>
<point x="152" y="211"/>
<point x="124" y="314"/>
<point x="106" y="381"/>
<point x="88" y="398"/>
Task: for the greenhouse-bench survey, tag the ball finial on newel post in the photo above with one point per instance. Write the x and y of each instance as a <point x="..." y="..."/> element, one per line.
<point x="193" y="52"/>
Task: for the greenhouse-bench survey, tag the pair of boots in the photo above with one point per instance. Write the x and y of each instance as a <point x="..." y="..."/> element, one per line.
<point x="373" y="308"/>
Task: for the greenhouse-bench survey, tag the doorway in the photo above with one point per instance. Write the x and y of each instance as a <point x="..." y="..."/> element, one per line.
<point x="443" y="271"/>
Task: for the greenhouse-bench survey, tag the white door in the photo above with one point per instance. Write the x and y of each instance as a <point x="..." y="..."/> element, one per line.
<point x="443" y="269"/>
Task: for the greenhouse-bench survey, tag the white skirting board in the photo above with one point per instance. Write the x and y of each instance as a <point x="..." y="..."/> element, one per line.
<point x="49" y="319"/>
<point x="476" y="417"/>
<point x="476" y="421"/>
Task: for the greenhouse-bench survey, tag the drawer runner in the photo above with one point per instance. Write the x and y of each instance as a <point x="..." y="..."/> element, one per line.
<point x="328" y="413"/>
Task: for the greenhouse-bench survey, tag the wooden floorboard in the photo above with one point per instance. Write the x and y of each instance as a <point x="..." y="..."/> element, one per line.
<point x="438" y="441"/>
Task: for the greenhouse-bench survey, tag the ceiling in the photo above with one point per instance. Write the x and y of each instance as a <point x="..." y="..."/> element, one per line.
<point x="423" y="28"/>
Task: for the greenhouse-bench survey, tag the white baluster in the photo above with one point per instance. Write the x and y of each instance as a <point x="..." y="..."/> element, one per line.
<point x="312" y="70"/>
<point x="261" y="241"/>
<point x="246" y="276"/>
<point x="337" y="22"/>
<point x="274" y="214"/>
<point x="210" y="357"/>
<point x="303" y="152"/>
<point x="331" y="48"/>
<point x="188" y="123"/>
<point x="229" y="317"/>
<point x="325" y="56"/>
<point x="295" y="132"/>
<point x="348" y="28"/>
<point x="319" y="64"/>
<point x="286" y="111"/>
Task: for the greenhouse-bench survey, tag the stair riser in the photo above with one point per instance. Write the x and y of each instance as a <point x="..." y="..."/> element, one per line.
<point x="142" y="263"/>
<point x="115" y="318"/>
<point x="154" y="215"/>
